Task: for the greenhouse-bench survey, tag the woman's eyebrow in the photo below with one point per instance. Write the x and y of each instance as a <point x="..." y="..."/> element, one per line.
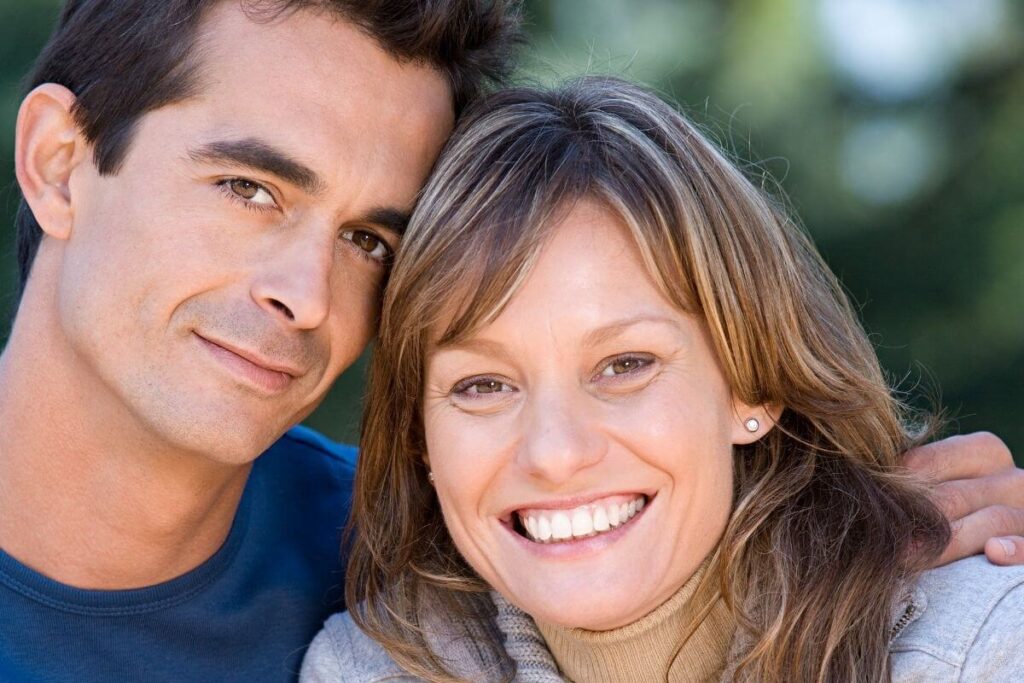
<point x="607" y="332"/>
<point x="483" y="347"/>
<point x="592" y="338"/>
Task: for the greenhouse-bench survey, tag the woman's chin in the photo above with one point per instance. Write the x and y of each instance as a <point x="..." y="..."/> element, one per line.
<point x="592" y="603"/>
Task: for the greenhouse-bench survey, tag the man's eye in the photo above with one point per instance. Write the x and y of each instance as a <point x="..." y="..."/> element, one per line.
<point x="251" y="192"/>
<point x="368" y="243"/>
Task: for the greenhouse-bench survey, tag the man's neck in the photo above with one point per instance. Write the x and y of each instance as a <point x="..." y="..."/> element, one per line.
<point x="90" y="498"/>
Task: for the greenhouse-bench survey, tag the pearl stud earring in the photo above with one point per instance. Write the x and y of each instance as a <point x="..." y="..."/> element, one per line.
<point x="752" y="424"/>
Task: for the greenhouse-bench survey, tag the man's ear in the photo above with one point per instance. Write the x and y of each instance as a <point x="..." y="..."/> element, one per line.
<point x="48" y="146"/>
<point x="750" y="423"/>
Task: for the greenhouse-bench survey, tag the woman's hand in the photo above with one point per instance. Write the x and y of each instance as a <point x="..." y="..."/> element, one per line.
<point x="982" y="493"/>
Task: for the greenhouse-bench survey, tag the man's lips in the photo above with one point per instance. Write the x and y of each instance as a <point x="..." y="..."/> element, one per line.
<point x="256" y="358"/>
<point x="268" y="375"/>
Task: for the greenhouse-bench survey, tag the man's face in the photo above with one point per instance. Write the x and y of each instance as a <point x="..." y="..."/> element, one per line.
<point x="224" y="277"/>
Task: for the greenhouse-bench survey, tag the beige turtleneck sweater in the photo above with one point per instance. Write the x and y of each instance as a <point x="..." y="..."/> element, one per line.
<point x="655" y="648"/>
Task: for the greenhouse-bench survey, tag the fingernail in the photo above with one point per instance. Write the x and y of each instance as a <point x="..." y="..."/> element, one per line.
<point x="1009" y="547"/>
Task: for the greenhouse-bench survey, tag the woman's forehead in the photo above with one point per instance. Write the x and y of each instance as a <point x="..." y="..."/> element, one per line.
<point x="588" y="267"/>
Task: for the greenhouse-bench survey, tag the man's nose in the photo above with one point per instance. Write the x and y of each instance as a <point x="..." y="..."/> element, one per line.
<point x="561" y="438"/>
<point x="295" y="283"/>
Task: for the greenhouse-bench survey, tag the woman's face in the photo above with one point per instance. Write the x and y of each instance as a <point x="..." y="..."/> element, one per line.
<point x="581" y="443"/>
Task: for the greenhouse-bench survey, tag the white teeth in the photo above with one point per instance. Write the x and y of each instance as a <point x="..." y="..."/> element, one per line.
<point x="561" y="527"/>
<point x="531" y="526"/>
<point x="543" y="529"/>
<point x="581" y="522"/>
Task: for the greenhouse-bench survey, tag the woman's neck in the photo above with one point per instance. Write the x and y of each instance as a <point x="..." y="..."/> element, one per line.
<point x="685" y="639"/>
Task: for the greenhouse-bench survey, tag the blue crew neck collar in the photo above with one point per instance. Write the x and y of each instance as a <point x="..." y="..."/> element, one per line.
<point x="42" y="589"/>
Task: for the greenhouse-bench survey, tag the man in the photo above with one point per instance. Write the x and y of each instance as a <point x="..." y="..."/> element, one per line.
<point x="217" y="193"/>
<point x="212" y="193"/>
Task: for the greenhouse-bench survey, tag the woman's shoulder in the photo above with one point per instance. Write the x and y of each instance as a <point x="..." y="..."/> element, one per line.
<point x="341" y="652"/>
<point x="966" y="625"/>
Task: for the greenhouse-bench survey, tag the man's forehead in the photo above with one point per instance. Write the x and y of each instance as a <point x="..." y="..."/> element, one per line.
<point x="328" y="100"/>
<point x="312" y="63"/>
<point x="309" y="44"/>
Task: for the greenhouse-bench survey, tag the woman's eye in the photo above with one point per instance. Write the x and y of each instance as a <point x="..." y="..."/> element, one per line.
<point x="482" y="386"/>
<point x="251" y="192"/>
<point x="625" y="366"/>
<point x="368" y="243"/>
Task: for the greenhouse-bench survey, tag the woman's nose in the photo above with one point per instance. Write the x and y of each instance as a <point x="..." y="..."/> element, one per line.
<point x="560" y="438"/>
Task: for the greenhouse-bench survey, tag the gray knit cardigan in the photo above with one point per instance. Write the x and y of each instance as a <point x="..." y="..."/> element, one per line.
<point x="961" y="622"/>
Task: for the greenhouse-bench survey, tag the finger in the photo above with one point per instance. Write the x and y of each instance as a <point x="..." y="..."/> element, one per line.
<point x="972" y="532"/>
<point x="961" y="497"/>
<point x="1005" y="550"/>
<point x="960" y="457"/>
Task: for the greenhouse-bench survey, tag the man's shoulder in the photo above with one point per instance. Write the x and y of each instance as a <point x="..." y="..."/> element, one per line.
<point x="971" y="616"/>
<point x="307" y="443"/>
<point x="305" y="459"/>
<point x="301" y="484"/>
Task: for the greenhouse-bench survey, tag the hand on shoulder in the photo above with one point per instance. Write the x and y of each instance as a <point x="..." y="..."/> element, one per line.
<point x="980" y="490"/>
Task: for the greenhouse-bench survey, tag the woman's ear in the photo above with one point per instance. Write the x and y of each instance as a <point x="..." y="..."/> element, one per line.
<point x="750" y="423"/>
<point x="48" y="146"/>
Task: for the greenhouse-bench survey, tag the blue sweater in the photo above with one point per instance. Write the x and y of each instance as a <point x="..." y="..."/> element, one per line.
<point x="246" y="614"/>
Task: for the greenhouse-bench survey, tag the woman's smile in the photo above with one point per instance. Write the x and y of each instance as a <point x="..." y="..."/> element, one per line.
<point x="583" y="535"/>
<point x="564" y="524"/>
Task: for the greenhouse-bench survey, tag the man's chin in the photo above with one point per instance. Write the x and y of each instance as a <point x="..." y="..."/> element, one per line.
<point x="233" y="437"/>
<point x="232" y="446"/>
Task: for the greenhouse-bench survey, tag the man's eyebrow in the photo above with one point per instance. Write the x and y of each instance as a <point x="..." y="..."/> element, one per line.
<point x="257" y="154"/>
<point x="394" y="220"/>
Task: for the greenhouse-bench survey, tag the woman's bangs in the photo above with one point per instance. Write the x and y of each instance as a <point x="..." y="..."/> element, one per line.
<point x="498" y="258"/>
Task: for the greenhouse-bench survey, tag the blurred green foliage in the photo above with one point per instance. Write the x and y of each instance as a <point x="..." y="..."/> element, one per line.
<point x="896" y="128"/>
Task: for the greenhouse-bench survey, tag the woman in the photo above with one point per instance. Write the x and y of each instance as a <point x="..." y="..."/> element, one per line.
<point x="623" y="425"/>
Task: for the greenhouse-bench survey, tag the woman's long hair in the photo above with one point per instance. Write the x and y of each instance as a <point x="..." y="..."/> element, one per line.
<point x="825" y="531"/>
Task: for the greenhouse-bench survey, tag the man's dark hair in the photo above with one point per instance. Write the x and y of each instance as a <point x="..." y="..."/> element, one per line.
<point x="123" y="58"/>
